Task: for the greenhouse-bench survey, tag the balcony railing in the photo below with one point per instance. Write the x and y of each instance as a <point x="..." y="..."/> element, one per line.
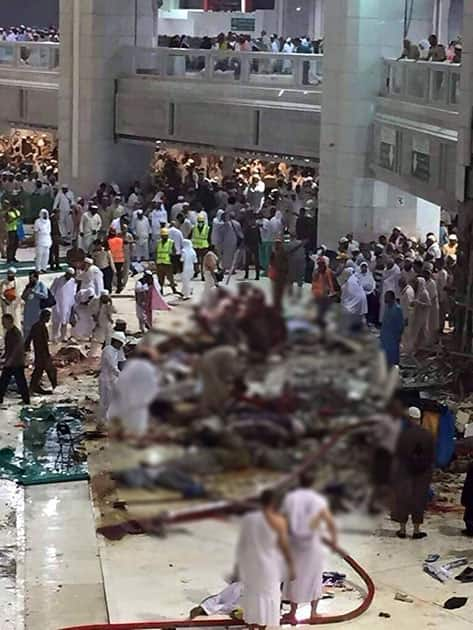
<point x="226" y="66"/>
<point x="43" y="56"/>
<point x="429" y="83"/>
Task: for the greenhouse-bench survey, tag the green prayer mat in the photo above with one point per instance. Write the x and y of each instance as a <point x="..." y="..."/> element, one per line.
<point x="24" y="267"/>
<point x="39" y="463"/>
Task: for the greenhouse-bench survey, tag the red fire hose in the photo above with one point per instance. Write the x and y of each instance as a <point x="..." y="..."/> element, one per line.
<point x="223" y="623"/>
<point x="226" y="507"/>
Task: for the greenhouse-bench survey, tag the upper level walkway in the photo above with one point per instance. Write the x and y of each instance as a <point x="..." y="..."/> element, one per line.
<point x="266" y="103"/>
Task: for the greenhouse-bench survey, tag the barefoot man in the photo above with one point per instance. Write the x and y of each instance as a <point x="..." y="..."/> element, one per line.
<point x="263" y="549"/>
<point x="306" y="511"/>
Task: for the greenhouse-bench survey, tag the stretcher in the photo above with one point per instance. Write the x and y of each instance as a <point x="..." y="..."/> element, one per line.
<point x="224" y="508"/>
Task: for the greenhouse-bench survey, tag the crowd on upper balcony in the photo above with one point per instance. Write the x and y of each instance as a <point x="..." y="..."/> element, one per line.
<point x="240" y="42"/>
<point x="432" y="50"/>
<point x="24" y="33"/>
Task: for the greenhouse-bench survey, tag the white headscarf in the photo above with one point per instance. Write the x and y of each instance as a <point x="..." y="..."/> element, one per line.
<point x="353" y="296"/>
<point x="188" y="256"/>
<point x="366" y="280"/>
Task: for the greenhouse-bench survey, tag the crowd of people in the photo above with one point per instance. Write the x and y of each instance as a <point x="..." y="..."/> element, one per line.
<point x="244" y="42"/>
<point x="432" y="50"/>
<point x="403" y="286"/>
<point x="262" y="217"/>
<point x="24" y="33"/>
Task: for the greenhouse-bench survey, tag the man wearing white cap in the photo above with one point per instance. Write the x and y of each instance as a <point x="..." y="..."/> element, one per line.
<point x="42" y="240"/>
<point x="63" y="202"/>
<point x="9" y="298"/>
<point x="91" y="277"/>
<point x="112" y="356"/>
<point x="159" y="219"/>
<point x="141" y="230"/>
<point x="451" y="247"/>
<point x="412" y="474"/>
<point x="64" y="290"/>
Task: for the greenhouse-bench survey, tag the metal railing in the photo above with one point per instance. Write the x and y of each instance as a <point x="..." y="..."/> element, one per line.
<point x="426" y="82"/>
<point x="42" y="56"/>
<point x="225" y="66"/>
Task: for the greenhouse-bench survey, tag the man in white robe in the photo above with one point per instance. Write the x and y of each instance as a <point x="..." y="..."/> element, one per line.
<point x="42" y="240"/>
<point x="263" y="547"/>
<point x="419" y="322"/>
<point x="64" y="290"/>
<point x="84" y="322"/>
<point x="406" y="301"/>
<point x="189" y="260"/>
<point x="91" y="277"/>
<point x="306" y="511"/>
<point x="90" y="225"/>
<point x="135" y="389"/>
<point x="112" y="356"/>
<point x="102" y="310"/>
<point x="434" y="312"/>
<point x="141" y="230"/>
<point x="63" y="202"/>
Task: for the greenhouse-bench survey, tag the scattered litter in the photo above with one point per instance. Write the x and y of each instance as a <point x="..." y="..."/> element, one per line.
<point x="453" y="564"/>
<point x="333" y="578"/>
<point x="436" y="572"/>
<point x="403" y="597"/>
<point x="433" y="557"/>
<point x="442" y="573"/>
<point x="455" y="602"/>
<point x="384" y="615"/>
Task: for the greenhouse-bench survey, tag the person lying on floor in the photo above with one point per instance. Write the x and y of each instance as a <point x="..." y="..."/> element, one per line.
<point x="227" y="602"/>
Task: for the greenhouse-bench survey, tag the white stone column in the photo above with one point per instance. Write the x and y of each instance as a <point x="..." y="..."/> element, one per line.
<point x="357" y="35"/>
<point x="92" y="34"/>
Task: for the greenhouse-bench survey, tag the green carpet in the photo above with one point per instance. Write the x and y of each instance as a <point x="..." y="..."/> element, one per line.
<point x="37" y="464"/>
<point x="24" y="267"/>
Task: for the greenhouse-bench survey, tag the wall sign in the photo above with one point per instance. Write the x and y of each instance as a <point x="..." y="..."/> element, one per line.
<point x="240" y="24"/>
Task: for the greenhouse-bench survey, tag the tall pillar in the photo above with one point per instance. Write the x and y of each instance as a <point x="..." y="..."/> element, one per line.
<point x="92" y="35"/>
<point x="358" y="33"/>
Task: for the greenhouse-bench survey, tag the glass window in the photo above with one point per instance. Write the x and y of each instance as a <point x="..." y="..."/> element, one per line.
<point x="421" y="166"/>
<point x="387" y="156"/>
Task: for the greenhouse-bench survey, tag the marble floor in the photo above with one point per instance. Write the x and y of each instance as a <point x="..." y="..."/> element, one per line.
<point x="55" y="572"/>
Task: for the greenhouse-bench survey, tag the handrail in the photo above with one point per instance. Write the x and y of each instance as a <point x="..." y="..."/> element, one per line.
<point x="425" y="82"/>
<point x="41" y="56"/>
<point x="215" y="65"/>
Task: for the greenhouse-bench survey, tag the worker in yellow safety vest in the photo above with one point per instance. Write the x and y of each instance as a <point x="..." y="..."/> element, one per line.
<point x="200" y="242"/>
<point x="12" y="219"/>
<point x="164" y="253"/>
